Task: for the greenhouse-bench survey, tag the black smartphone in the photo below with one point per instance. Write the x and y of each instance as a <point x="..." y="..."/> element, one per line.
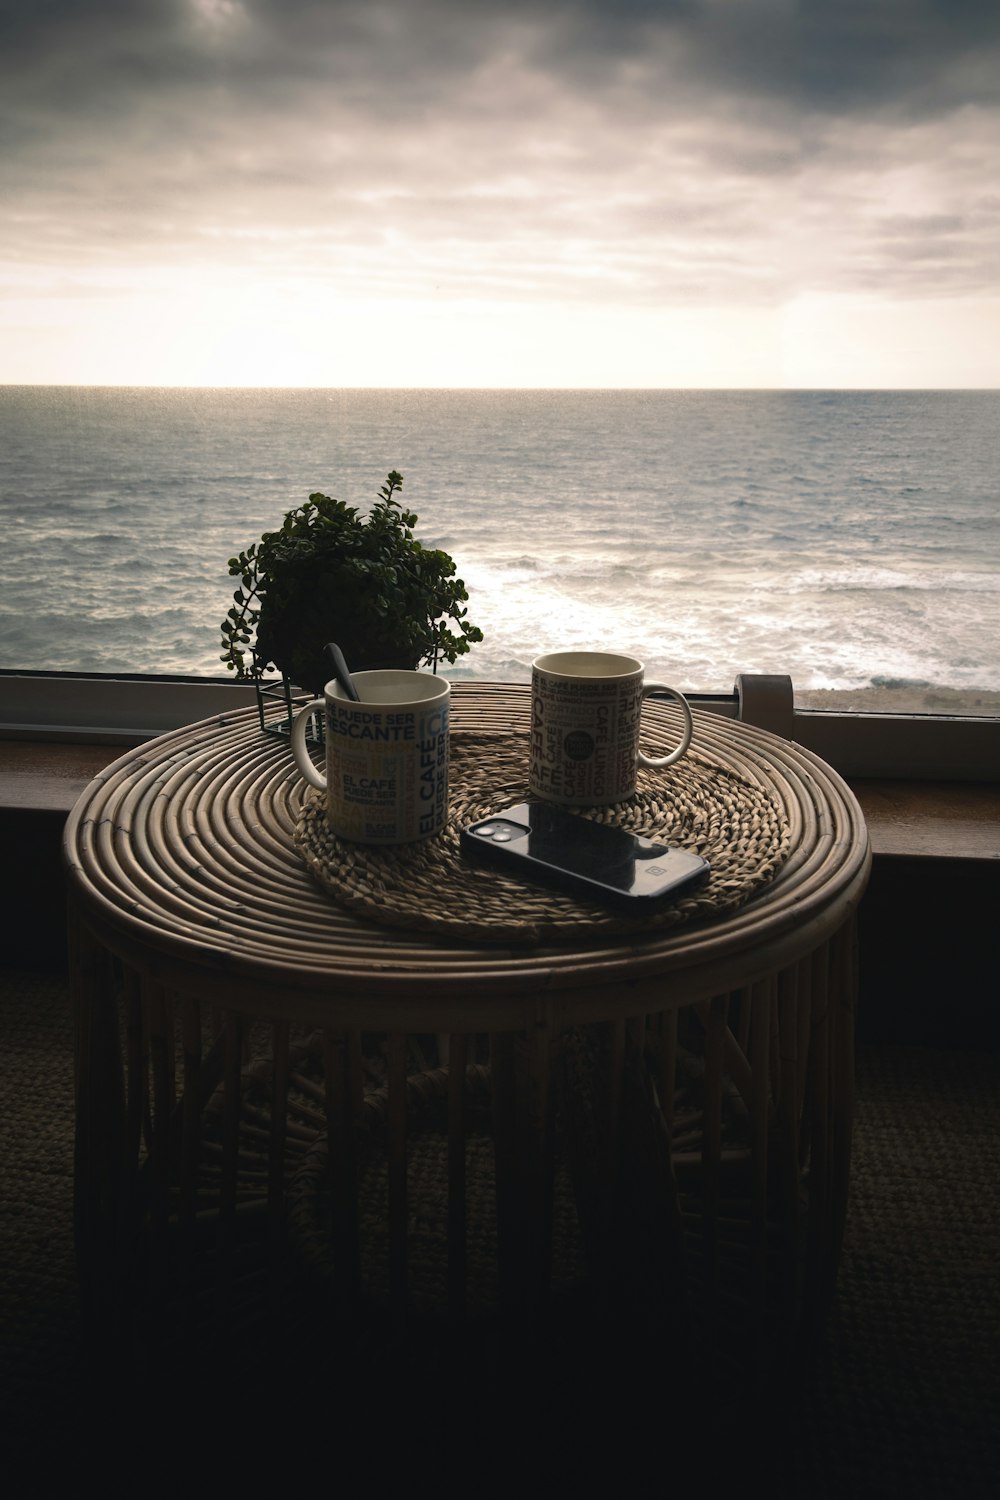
<point x="540" y="842"/>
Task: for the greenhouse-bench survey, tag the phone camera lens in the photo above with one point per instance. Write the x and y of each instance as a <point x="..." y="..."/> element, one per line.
<point x="502" y="836"/>
<point x="487" y="830"/>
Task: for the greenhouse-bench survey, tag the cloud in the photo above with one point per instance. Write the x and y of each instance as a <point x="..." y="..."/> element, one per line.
<point x="628" y="154"/>
<point x="105" y="60"/>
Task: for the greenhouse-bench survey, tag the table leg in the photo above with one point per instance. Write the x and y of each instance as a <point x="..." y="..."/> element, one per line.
<point x="838" y="1124"/>
<point x="342" y="1061"/>
<point x="454" y="1055"/>
<point x="522" y="1069"/>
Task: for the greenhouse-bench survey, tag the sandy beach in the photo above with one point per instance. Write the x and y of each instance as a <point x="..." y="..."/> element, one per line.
<point x="955" y="702"/>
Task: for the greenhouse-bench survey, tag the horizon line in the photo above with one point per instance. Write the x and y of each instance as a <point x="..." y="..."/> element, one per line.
<point x="97" y="385"/>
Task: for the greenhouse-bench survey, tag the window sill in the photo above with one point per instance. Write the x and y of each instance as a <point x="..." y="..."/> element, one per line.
<point x="46" y="776"/>
<point x="931" y="819"/>
<point x="906" y="819"/>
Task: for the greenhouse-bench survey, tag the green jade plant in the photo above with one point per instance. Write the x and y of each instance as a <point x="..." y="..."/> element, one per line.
<point x="330" y="575"/>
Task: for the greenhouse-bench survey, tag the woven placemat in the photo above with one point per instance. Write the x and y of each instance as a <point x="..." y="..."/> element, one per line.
<point x="733" y="823"/>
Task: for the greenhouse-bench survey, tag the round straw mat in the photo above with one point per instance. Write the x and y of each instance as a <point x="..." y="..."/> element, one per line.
<point x="732" y="822"/>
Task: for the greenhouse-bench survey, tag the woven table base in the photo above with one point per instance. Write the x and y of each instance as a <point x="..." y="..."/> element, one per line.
<point x="733" y="823"/>
<point x="427" y="1198"/>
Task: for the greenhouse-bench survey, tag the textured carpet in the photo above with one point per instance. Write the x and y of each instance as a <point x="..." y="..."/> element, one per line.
<point x="902" y="1398"/>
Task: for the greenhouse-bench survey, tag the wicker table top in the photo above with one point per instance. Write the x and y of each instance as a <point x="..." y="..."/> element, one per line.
<point x="182" y="857"/>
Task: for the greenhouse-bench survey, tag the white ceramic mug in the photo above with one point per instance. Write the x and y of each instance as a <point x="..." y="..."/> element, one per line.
<point x="585" y="712"/>
<point x="386" y="776"/>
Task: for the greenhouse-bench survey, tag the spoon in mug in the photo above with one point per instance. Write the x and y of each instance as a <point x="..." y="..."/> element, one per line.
<point x="341" y="672"/>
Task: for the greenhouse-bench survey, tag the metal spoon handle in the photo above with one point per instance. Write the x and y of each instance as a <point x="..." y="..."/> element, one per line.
<point x="341" y="672"/>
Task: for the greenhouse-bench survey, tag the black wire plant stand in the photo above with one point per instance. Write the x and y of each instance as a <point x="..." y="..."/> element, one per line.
<point x="280" y="693"/>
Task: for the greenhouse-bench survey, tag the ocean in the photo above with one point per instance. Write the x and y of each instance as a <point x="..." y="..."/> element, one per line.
<point x="851" y="539"/>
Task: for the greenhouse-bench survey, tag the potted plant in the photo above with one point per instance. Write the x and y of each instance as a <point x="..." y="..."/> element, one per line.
<point x="330" y="575"/>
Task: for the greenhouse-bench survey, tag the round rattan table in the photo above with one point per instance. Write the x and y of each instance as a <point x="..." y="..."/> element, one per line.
<point x="248" y="1044"/>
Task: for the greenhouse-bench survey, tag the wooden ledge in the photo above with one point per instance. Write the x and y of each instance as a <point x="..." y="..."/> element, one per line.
<point x="932" y="819"/>
<point x="914" y="819"/>
<point x="48" y="776"/>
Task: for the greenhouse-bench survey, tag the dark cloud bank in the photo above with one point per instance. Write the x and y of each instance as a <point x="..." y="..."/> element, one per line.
<point x="94" y="56"/>
<point x="148" y="128"/>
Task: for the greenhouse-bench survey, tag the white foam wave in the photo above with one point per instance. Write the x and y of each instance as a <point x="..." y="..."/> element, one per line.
<point x="755" y="547"/>
<point x="885" y="580"/>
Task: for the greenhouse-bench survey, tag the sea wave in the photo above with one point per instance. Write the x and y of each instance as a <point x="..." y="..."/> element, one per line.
<point x="888" y="580"/>
<point x="838" y="537"/>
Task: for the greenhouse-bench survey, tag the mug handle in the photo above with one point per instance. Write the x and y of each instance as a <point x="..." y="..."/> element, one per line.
<point x="656" y="763"/>
<point x="298" y="742"/>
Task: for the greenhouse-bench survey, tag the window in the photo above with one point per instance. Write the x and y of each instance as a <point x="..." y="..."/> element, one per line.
<point x="845" y="539"/>
<point x="713" y="224"/>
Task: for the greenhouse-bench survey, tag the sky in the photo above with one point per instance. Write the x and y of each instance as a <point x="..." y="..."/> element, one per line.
<point x="644" y="193"/>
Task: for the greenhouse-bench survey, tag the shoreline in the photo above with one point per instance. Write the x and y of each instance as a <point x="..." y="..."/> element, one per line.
<point x="979" y="703"/>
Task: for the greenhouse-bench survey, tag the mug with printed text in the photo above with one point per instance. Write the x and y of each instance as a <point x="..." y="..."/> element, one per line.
<point x="585" y="713"/>
<point x="386" y="757"/>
